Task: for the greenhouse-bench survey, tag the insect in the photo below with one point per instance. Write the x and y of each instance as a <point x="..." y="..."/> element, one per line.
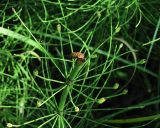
<point x="79" y="56"/>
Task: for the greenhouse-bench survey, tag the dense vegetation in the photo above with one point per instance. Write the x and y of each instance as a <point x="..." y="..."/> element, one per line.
<point x="116" y="85"/>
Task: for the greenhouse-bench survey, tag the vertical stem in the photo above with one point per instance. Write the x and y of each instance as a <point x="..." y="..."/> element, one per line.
<point x="63" y="100"/>
<point x="66" y="90"/>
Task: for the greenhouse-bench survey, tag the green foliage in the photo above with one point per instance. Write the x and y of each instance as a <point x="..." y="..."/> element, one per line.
<point x="41" y="85"/>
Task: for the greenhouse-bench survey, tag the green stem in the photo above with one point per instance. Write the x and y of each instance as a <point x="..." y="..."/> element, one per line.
<point x="133" y="120"/>
<point x="65" y="92"/>
<point x="63" y="100"/>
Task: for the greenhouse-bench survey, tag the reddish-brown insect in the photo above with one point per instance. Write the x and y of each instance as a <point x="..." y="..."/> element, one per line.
<point x="80" y="56"/>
